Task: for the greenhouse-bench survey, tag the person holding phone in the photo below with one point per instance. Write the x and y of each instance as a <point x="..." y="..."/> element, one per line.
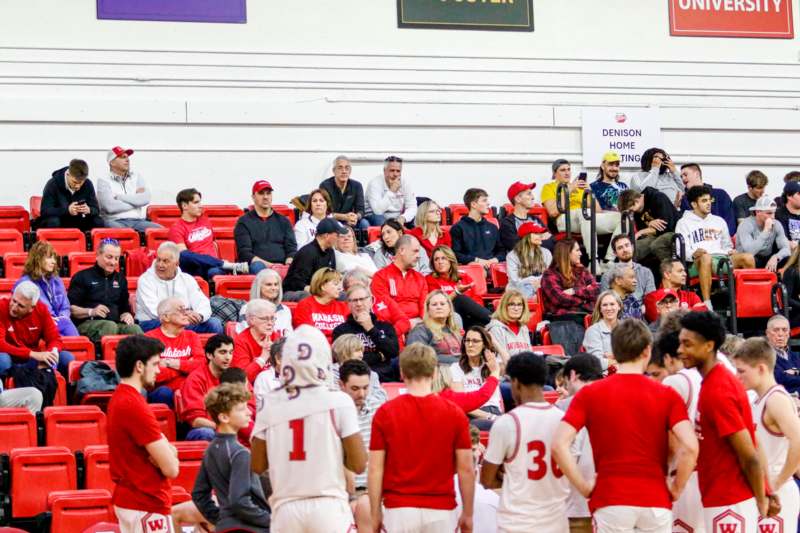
<point x="658" y="171"/>
<point x="69" y="199"/>
<point x="459" y="287"/>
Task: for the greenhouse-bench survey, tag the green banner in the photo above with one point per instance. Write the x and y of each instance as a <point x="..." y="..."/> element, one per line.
<point x="504" y="15"/>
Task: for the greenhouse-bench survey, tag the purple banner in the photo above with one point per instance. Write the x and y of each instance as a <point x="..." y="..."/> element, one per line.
<point x="174" y="10"/>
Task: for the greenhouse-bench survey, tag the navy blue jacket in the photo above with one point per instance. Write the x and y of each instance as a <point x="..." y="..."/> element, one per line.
<point x="476" y="239"/>
<point x="722" y="206"/>
<point x="787" y="371"/>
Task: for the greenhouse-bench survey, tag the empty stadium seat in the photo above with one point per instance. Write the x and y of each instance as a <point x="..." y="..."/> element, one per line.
<point x="80" y="347"/>
<point x="154" y="237"/>
<point x="72" y="511"/>
<point x="64" y="240"/>
<point x="222" y="216"/>
<point x="78" y="261"/>
<point x="14" y="217"/>
<point x="286" y="211"/>
<point x="754" y="292"/>
<point x="537" y="210"/>
<point x="549" y="349"/>
<point x="226" y="245"/>
<point x="394" y="389"/>
<point x="14" y="264"/>
<point x="108" y="344"/>
<point x="280" y="269"/>
<point x="35" y="204"/>
<point x="97" y="468"/>
<point x="166" y="419"/>
<point x="203" y="286"/>
<point x="128" y="238"/>
<point x="373" y="233"/>
<point x="498" y="273"/>
<point x="35" y="473"/>
<point x="478" y="275"/>
<point x="166" y="215"/>
<point x="233" y="286"/>
<point x="17" y="428"/>
<point x="190" y="457"/>
<point x="10" y="240"/>
<point x="75" y="426"/>
<point x="455" y="212"/>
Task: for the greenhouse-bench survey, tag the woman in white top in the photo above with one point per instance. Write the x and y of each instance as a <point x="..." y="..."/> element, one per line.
<point x="606" y="315"/>
<point x="349" y="258"/>
<point x="528" y="260"/>
<point x="471" y="371"/>
<point x="268" y="285"/>
<point x="317" y="207"/>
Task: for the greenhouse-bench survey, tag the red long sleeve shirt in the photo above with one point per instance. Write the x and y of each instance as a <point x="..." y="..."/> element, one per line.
<point x="186" y="348"/>
<point x="193" y="393"/>
<point x="409" y="290"/>
<point x="387" y="310"/>
<point x="469" y="401"/>
<point x="34" y="332"/>
<point x="245" y="351"/>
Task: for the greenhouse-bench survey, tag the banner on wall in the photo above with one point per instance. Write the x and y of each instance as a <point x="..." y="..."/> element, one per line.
<point x="502" y="15"/>
<point x="627" y="131"/>
<point x="234" y="11"/>
<point x="731" y="18"/>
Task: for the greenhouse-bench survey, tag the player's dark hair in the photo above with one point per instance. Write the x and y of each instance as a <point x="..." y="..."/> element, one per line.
<point x="629" y="339"/>
<point x="276" y="351"/>
<point x="706" y="324"/>
<point x="697" y="192"/>
<point x="666" y="345"/>
<point x="353" y="367"/>
<point x="215" y="341"/>
<point x="135" y="348"/>
<point x="233" y="375"/>
<point x="527" y="368"/>
<point x="586" y="367"/>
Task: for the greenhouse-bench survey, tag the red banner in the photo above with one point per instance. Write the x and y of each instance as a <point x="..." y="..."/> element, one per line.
<point x="731" y="18"/>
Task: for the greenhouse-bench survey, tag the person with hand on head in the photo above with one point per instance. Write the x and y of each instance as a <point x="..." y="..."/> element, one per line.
<point x="316" y="208"/>
<point x="756" y="183"/>
<point x="251" y="346"/>
<point x="311" y="258"/>
<point x="654" y="219"/>
<point x="438" y="328"/>
<point x="597" y="340"/>
<point x="458" y="286"/>
<point x="41" y="268"/>
<point x="521" y="197"/>
<point x="346" y="194"/>
<point x="760" y="236"/>
<point x="69" y="200"/>
<point x="469" y="374"/>
<point x="476" y="239"/>
<point x="390" y="196"/>
<point x="659" y="172"/>
<point x="529" y="259"/>
<point x="323" y="309"/>
<point x="721" y="204"/>
<point x="262" y="236"/>
<point x="99" y="297"/>
<point x="428" y="227"/>
<point x="384" y="250"/>
<point x="400" y="282"/>
<point x="123" y="194"/>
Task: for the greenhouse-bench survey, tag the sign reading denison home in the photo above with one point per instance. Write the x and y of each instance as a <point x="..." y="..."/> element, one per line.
<point x="503" y="15"/>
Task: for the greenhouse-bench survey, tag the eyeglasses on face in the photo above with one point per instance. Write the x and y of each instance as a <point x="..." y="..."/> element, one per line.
<point x="268" y="318"/>
<point x="358" y="300"/>
<point x="473" y="341"/>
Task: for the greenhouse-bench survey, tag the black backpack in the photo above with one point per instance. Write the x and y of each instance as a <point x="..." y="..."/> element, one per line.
<point x="43" y="379"/>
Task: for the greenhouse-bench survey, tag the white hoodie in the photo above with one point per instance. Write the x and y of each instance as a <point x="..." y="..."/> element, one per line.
<point x="710" y="234"/>
<point x="151" y="290"/>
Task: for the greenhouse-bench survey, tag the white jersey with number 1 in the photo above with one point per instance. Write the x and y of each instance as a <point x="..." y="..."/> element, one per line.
<point x="534" y="493"/>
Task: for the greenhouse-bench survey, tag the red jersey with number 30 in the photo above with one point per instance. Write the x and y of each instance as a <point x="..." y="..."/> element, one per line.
<point x="628" y="417"/>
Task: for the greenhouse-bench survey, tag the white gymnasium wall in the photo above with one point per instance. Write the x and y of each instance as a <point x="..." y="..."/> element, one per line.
<point x="215" y="105"/>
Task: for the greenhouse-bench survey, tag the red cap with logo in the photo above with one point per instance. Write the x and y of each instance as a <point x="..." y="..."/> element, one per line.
<point x="260" y="185"/>
<point x="530" y="227"/>
<point x="116" y="152"/>
<point x="517" y="188"/>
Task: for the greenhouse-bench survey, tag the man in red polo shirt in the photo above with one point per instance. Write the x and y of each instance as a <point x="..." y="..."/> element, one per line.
<point x="401" y="283"/>
<point x="629" y="418"/>
<point x="141" y="459"/>
<point x="729" y="469"/>
<point x="409" y="490"/>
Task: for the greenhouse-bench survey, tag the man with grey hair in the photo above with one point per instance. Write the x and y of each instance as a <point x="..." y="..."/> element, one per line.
<point x="401" y="283"/>
<point x="251" y="347"/>
<point x="30" y="336"/>
<point x="99" y="297"/>
<point x="347" y="195"/>
<point x="787" y="362"/>
<point x="164" y="279"/>
<point x="389" y="196"/>
<point x="123" y="194"/>
<point x="622" y="280"/>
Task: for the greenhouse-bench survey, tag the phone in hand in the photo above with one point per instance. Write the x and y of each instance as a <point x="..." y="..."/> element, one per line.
<point x="81" y="202"/>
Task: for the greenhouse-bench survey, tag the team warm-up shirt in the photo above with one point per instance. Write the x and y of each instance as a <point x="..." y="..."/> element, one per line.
<point x="197" y="236"/>
<point x="630" y="446"/>
<point x="140" y="485"/>
<point x="775" y="446"/>
<point x="722" y="410"/>
<point x="404" y="428"/>
<point x="534" y="489"/>
<point x="324" y="317"/>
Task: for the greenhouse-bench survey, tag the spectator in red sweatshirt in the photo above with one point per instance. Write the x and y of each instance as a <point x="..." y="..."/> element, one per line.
<point x="251" y="346"/>
<point x="30" y="335"/>
<point x="401" y="283"/>
<point x="183" y="351"/>
<point x="219" y="354"/>
<point x="323" y="309"/>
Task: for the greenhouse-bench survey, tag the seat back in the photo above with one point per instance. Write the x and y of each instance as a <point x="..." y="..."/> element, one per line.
<point x="222" y="216"/>
<point x="499" y="275"/>
<point x="17" y="428"/>
<point x="153" y="237"/>
<point x="75" y="426"/>
<point x="78" y="261"/>
<point x="10" y="239"/>
<point x="282" y="270"/>
<point x="35" y="204"/>
<point x="203" y="284"/>
<point x="108" y="345"/>
<point x="35" y="473"/>
<point x="75" y="510"/>
<point x="226" y="245"/>
<point x="478" y="275"/>
<point x="166" y="419"/>
<point x="14" y="264"/>
<point x="98" y="470"/>
<point x="190" y="457"/>
<point x="166" y="215"/>
<point x="456" y="212"/>
<point x="549" y="349"/>
<point x="64" y="240"/>
<point x="128" y="237"/>
<point x="373" y="233"/>
<point x="754" y="292"/>
<point x="233" y="286"/>
<point x="80" y="347"/>
<point x="14" y="217"/>
<point x="394" y="389"/>
<point x="6" y="287"/>
<point x="285" y="210"/>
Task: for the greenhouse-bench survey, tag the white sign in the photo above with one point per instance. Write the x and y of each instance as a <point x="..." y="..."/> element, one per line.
<point x="627" y="131"/>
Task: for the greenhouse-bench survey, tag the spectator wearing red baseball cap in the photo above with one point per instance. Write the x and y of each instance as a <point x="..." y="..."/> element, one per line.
<point x="521" y="197"/>
<point x="264" y="237"/>
<point x="529" y="259"/>
<point x="123" y="195"/>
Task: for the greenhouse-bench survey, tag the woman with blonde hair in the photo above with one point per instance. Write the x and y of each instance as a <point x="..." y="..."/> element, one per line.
<point x="322" y="310"/>
<point x="605" y="317"/>
<point x="509" y="325"/>
<point x="315" y="208"/>
<point x="267" y="285"/>
<point x="438" y="328"/>
<point x="41" y="268"/>
<point x="428" y="227"/>
<point x="528" y="260"/>
<point x="350" y="346"/>
<point x="459" y="287"/>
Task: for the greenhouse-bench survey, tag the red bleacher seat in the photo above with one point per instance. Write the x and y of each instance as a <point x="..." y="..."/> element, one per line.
<point x="177" y="399"/>
<point x="754" y="292"/>
<point x="166" y="215"/>
<point x="61" y="390"/>
<point x="233" y="286"/>
<point x="394" y="389"/>
<point x="230" y="329"/>
<point x="35" y="473"/>
<point x="78" y="261"/>
<point x="203" y="286"/>
<point x="226" y="245"/>
<point x="74" y="372"/>
<point x="128" y="237"/>
<point x="98" y="472"/>
<point x="64" y="240"/>
<point x="154" y="237"/>
<point x="81" y="347"/>
<point x="499" y="275"/>
<point x="10" y="240"/>
<point x="108" y="344"/>
<point x="280" y="269"/>
<point x="35" y="204"/>
<point x="478" y="275"/>
<point x="190" y="457"/>
<point x="14" y="217"/>
<point x="373" y="233"/>
<point x="222" y="216"/>
<point x="285" y="210"/>
<point x="204" y="338"/>
<point x="549" y="349"/>
<point x="14" y="264"/>
<point x="537" y="210"/>
<point x="17" y="428"/>
<point x="166" y="419"/>
<point x="456" y="212"/>
<point x="75" y="426"/>
<point x="72" y="511"/>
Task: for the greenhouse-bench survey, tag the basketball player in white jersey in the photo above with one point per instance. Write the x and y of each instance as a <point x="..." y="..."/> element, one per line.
<point x="777" y="430"/>
<point x="534" y="491"/>
<point x="310" y="434"/>
<point x="687" y="511"/>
